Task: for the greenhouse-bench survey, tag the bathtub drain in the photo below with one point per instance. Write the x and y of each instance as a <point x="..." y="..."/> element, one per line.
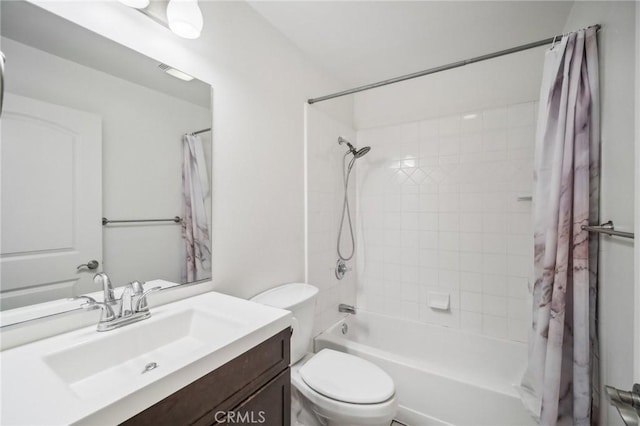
<point x="345" y="328"/>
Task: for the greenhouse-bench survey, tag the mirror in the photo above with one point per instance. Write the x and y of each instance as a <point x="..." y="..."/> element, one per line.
<point x="93" y="130"/>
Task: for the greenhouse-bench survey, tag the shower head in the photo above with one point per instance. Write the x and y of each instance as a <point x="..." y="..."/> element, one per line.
<point x="357" y="153"/>
<point x="362" y="152"/>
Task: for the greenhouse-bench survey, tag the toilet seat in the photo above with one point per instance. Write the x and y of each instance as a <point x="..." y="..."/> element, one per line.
<point x="341" y="412"/>
<point x="347" y="378"/>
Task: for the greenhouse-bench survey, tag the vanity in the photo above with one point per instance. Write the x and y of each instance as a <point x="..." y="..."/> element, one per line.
<point x="256" y="389"/>
<point x="211" y="359"/>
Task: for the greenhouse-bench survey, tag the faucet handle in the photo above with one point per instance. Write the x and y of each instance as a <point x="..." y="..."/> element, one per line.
<point x="107" y="312"/>
<point x="126" y="300"/>
<point x="137" y="288"/>
<point x="141" y="303"/>
<point x="91" y="304"/>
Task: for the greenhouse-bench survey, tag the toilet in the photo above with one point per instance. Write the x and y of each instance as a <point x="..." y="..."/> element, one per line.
<point x="341" y="389"/>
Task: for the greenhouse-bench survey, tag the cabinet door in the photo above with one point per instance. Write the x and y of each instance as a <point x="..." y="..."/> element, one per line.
<point x="270" y="406"/>
<point x="223" y="389"/>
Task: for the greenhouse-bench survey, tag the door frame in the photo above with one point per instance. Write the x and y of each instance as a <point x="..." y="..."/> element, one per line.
<point x="636" y="333"/>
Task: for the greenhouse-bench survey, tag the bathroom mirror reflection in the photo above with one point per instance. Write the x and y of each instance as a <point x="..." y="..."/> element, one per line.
<point x="93" y="130"/>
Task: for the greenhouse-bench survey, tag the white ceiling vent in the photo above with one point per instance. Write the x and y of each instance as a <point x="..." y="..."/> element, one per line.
<point x="175" y="73"/>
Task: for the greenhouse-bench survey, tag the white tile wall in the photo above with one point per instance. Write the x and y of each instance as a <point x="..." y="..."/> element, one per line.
<point x="439" y="213"/>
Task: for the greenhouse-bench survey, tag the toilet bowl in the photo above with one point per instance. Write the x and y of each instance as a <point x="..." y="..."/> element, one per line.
<point x="356" y="399"/>
<point x="341" y="389"/>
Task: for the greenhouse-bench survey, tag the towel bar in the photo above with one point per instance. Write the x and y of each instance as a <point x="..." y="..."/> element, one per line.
<point x="176" y="219"/>
<point x="607" y="228"/>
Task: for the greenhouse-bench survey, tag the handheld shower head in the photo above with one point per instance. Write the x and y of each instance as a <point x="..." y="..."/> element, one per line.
<point x="357" y="153"/>
<point x="362" y="151"/>
<point x="346" y="213"/>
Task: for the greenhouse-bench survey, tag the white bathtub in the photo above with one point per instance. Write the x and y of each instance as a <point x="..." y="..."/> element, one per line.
<point x="442" y="375"/>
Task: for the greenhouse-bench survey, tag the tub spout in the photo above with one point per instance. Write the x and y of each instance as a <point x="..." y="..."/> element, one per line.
<point x="347" y="309"/>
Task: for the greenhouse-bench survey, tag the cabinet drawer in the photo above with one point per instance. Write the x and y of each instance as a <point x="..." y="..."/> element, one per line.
<point x="223" y="388"/>
<point x="270" y="406"/>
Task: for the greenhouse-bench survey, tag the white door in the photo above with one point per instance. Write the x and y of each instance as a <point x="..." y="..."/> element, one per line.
<point x="51" y="202"/>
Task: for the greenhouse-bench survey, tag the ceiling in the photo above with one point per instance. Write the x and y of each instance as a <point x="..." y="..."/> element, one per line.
<point x="360" y="42"/>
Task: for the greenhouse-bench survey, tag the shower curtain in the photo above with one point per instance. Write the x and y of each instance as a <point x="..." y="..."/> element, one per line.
<point x="561" y="385"/>
<point x="195" y="225"/>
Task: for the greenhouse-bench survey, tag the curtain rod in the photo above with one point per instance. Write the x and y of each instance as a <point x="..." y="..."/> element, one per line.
<point x="442" y="68"/>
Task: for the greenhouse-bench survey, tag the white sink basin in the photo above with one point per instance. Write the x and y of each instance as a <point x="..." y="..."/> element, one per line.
<point x="115" y="359"/>
<point x="90" y="377"/>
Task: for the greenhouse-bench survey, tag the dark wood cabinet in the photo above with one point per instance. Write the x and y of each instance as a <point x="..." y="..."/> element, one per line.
<point x="270" y="406"/>
<point x="253" y="388"/>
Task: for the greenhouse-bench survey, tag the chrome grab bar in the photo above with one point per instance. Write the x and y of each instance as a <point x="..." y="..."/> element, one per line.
<point x="607" y="228"/>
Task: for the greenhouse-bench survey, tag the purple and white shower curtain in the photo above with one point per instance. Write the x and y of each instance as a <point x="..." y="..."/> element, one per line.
<point x="195" y="224"/>
<point x="561" y="385"/>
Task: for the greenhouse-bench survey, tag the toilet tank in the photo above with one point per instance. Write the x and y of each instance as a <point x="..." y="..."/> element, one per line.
<point x="300" y="299"/>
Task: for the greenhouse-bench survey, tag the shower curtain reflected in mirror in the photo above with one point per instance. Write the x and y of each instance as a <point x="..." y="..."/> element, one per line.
<point x="561" y="383"/>
<point x="195" y="229"/>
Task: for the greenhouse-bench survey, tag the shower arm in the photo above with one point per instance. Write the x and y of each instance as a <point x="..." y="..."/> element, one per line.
<point x="352" y="150"/>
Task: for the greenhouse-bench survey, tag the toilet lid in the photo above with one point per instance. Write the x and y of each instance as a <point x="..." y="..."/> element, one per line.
<point x="347" y="378"/>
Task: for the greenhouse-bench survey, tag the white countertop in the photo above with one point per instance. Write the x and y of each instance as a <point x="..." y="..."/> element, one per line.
<point x="32" y="393"/>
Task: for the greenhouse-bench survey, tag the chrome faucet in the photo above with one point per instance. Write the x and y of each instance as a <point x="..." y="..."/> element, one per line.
<point x="102" y="279"/>
<point x="347" y="309"/>
<point x="130" y="307"/>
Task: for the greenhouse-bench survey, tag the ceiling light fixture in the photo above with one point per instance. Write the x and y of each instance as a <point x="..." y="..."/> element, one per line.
<point x="185" y="18"/>
<point x="137" y="4"/>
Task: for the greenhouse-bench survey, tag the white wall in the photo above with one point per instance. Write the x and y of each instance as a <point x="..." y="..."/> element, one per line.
<point x="324" y="162"/>
<point x="506" y="80"/>
<point x="260" y="85"/>
<point x="141" y="155"/>
<point x="617" y="192"/>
